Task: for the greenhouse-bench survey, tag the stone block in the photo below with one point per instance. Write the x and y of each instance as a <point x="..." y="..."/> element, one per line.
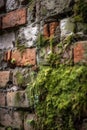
<point x="80" y="52"/>
<point x="55" y="7"/>
<point x="28" y="35"/>
<point x="12" y="119"/>
<point x="4" y="78"/>
<point x="11" y="5"/>
<point x="17" y="99"/>
<point x="21" y="77"/>
<point x="6" y="40"/>
<point x="2" y="99"/>
<point x="27" y="119"/>
<point x="27" y="58"/>
<point x="67" y="27"/>
<point x="14" y="18"/>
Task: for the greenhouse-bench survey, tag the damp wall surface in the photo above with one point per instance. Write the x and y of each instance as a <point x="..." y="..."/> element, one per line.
<point x="21" y="23"/>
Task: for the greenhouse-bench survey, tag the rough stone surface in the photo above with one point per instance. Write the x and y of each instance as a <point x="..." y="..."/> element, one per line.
<point x="55" y="7"/>
<point x="4" y="78"/>
<point x="28" y="117"/>
<point x="25" y="73"/>
<point x="17" y="99"/>
<point x="6" y="40"/>
<point x="66" y="27"/>
<point x="2" y="99"/>
<point x="14" y="18"/>
<point x="11" y="119"/>
<point x="80" y="52"/>
<point x="11" y="5"/>
<point x="28" y="35"/>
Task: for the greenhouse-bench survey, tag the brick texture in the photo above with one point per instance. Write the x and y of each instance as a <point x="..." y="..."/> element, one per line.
<point x="27" y="58"/>
<point x="2" y="99"/>
<point x="4" y="78"/>
<point x="17" y="99"/>
<point x="14" y="18"/>
<point x="49" y="29"/>
<point x="12" y="119"/>
<point x="80" y="52"/>
<point x="53" y="27"/>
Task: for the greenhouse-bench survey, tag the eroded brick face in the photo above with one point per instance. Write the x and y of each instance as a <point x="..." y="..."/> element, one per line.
<point x="14" y="18"/>
<point x="53" y="27"/>
<point x="4" y="78"/>
<point x="79" y="52"/>
<point x="27" y="58"/>
<point x="49" y="29"/>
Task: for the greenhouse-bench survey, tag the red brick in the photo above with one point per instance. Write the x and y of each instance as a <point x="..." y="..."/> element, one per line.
<point x="53" y="27"/>
<point x="28" y="57"/>
<point x="14" y="18"/>
<point x="79" y="52"/>
<point x="49" y="29"/>
<point x="46" y="32"/>
<point x="4" y="78"/>
<point x="2" y="99"/>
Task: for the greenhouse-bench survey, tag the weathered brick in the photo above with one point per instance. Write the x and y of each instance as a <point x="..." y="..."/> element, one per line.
<point x="27" y="58"/>
<point x="4" y="78"/>
<point x="14" y="18"/>
<point x="49" y="29"/>
<point x="17" y="99"/>
<point x="46" y="32"/>
<point x="53" y="27"/>
<point x="12" y="119"/>
<point x="2" y="99"/>
<point x="28" y="117"/>
<point x="80" y="52"/>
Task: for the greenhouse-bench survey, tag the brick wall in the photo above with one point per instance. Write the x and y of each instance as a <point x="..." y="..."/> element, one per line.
<point x="21" y="24"/>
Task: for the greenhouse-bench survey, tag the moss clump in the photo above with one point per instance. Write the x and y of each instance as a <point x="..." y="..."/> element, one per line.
<point x="80" y="11"/>
<point x="62" y="97"/>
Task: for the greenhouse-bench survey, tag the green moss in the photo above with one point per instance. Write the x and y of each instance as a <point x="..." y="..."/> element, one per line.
<point x="17" y="98"/>
<point x="80" y="11"/>
<point x="62" y="97"/>
<point x="20" y="78"/>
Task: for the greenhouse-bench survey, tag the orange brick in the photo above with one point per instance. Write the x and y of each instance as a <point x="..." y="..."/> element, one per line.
<point x="78" y="52"/>
<point x="53" y="27"/>
<point x="14" y="18"/>
<point x="27" y="58"/>
<point x="46" y="31"/>
<point x="4" y="78"/>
